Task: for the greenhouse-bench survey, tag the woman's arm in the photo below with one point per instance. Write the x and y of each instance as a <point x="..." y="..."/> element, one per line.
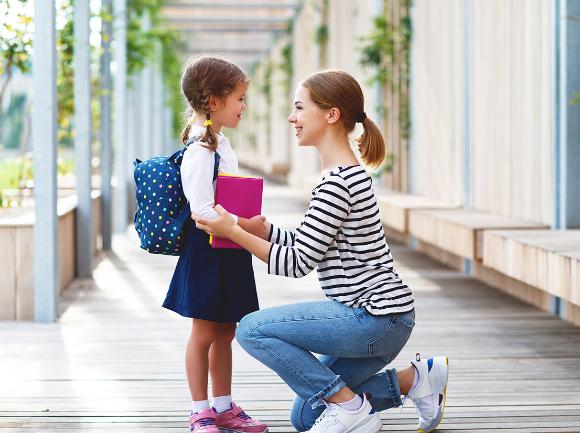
<point x="258" y="226"/>
<point x="328" y="209"/>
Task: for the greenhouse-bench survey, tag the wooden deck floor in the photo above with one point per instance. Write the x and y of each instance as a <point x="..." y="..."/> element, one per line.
<point x="114" y="362"/>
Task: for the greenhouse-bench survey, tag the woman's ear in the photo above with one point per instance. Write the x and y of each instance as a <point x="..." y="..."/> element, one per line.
<point x="333" y="115"/>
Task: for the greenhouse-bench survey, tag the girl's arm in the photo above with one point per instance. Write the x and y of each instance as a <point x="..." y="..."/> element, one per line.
<point x="197" y="169"/>
<point x="226" y="228"/>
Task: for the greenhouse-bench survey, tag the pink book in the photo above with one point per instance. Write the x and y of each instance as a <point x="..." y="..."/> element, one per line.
<point x="239" y="195"/>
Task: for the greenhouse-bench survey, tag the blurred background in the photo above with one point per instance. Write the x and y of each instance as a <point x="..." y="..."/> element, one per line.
<point x="479" y="102"/>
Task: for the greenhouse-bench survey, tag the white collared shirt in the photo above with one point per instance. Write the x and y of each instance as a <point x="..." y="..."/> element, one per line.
<point x="197" y="172"/>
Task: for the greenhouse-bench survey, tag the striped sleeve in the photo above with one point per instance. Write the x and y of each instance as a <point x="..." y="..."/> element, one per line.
<point x="328" y="209"/>
<point x="281" y="237"/>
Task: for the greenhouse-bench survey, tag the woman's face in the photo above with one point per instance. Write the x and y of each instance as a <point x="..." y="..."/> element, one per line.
<point x="231" y="107"/>
<point x="309" y="120"/>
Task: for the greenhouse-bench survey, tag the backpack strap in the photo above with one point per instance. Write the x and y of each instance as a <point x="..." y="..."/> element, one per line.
<point x="216" y="165"/>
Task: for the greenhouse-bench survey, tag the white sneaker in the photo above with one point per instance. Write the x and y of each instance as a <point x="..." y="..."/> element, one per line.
<point x="335" y="419"/>
<point x="430" y="392"/>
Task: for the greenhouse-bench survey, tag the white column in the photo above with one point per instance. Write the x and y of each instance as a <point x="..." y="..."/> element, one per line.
<point x="147" y="100"/>
<point x="106" y="167"/>
<point x="44" y="121"/>
<point x="157" y="115"/>
<point x="122" y="165"/>
<point x="82" y="124"/>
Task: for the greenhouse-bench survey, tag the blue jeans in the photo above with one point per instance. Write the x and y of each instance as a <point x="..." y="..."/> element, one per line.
<point x="354" y="345"/>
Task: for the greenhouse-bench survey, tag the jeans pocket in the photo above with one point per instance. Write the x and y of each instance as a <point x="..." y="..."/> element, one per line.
<point x="393" y="339"/>
<point x="406" y="319"/>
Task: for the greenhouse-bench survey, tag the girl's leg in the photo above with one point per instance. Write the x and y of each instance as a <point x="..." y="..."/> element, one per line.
<point x="203" y="334"/>
<point x="220" y="360"/>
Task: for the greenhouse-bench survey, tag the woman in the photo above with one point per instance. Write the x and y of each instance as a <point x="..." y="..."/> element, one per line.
<point x="370" y="312"/>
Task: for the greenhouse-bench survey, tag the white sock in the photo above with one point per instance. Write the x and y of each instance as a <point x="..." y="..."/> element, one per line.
<point x="416" y="379"/>
<point x="222" y="403"/>
<point x="353" y="404"/>
<point x="198" y="406"/>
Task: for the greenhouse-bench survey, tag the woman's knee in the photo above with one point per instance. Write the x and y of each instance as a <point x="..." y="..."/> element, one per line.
<point x="247" y="327"/>
<point x="296" y="414"/>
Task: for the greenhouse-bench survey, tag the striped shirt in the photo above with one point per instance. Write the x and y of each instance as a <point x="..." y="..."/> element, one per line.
<point x="343" y="236"/>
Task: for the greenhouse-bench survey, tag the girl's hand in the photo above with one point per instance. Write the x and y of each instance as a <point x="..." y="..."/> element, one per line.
<point x="257" y="225"/>
<point x="222" y="226"/>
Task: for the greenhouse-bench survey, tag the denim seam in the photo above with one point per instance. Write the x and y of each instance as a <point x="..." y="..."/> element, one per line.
<point x="280" y="358"/>
<point x="371" y="349"/>
<point x="270" y="322"/>
<point x="330" y="389"/>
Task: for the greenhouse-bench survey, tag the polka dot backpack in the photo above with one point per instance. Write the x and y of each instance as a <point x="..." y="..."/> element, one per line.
<point x="162" y="208"/>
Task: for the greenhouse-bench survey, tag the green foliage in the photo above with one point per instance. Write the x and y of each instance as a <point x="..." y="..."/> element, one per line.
<point x="13" y="122"/>
<point x="575" y="99"/>
<point x="379" y="50"/>
<point x="15" y="42"/>
<point x="387" y="45"/>
<point x="65" y="75"/>
<point x="287" y="66"/>
<point x="321" y="35"/>
<point x="142" y="47"/>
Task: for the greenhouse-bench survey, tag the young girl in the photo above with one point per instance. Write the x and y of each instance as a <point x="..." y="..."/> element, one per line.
<point x="214" y="287"/>
<point x="370" y="312"/>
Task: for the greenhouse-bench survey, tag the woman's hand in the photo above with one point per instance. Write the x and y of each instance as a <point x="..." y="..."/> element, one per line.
<point x="258" y="226"/>
<point x="223" y="226"/>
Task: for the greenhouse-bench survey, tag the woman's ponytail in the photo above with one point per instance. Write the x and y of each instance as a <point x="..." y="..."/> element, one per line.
<point x="371" y="144"/>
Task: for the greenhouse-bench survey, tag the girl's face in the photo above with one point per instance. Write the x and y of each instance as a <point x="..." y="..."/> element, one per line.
<point x="310" y="121"/>
<point x="229" y="109"/>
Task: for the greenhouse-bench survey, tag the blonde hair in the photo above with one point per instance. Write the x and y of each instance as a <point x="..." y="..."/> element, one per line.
<point x="202" y="78"/>
<point x="335" y="88"/>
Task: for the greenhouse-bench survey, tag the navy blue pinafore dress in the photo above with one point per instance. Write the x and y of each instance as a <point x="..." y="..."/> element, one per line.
<point x="211" y="284"/>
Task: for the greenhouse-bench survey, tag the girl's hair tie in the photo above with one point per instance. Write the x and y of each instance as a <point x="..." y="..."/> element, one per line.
<point x="208" y="122"/>
<point x="362" y="117"/>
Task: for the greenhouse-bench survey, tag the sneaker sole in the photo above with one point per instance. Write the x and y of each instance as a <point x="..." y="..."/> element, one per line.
<point x="440" y="375"/>
<point x="228" y="430"/>
<point x="373" y="425"/>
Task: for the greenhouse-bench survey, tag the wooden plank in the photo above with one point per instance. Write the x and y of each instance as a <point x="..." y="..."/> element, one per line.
<point x="395" y="208"/>
<point x="461" y="231"/>
<point x="7" y="275"/>
<point x="114" y="362"/>
<point x="546" y="259"/>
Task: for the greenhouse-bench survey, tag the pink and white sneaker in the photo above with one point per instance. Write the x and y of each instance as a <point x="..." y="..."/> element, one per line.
<point x="236" y="420"/>
<point x="203" y="422"/>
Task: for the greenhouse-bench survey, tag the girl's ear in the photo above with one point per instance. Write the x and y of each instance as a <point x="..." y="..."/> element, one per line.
<point x="213" y="103"/>
<point x="333" y="115"/>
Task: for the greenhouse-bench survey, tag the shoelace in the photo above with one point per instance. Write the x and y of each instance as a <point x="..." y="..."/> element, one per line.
<point x="324" y="419"/>
<point x="243" y="415"/>
<point x="203" y="422"/>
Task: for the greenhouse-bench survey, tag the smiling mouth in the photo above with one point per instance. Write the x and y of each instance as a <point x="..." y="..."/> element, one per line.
<point x="298" y="130"/>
